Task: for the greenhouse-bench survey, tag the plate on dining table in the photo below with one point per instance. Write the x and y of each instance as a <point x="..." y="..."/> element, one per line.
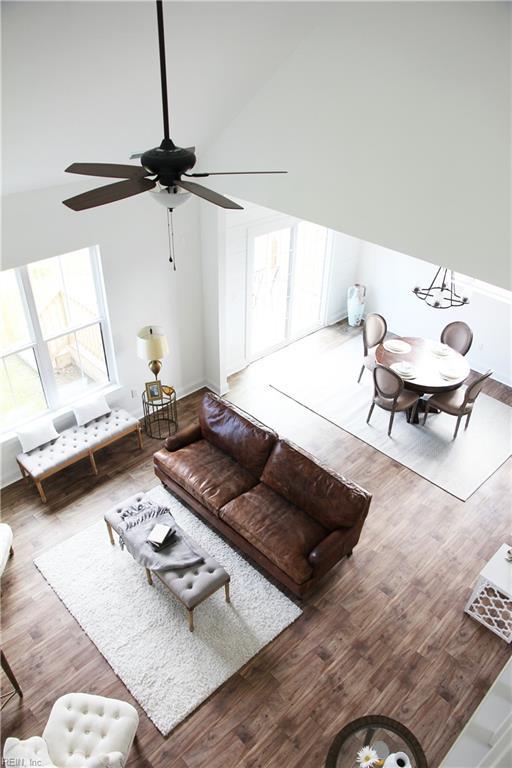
<point x="398" y="346"/>
<point x="450" y="372"/>
<point x="404" y="369"/>
<point x="441" y="350"/>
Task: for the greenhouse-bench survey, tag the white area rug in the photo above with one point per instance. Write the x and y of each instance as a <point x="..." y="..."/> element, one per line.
<point x="328" y="386"/>
<point x="142" y="631"/>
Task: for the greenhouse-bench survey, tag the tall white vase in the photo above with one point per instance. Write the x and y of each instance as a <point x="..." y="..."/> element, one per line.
<point x="356" y="299"/>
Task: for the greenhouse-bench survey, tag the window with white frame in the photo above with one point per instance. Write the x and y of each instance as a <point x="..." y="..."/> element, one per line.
<point x="55" y="344"/>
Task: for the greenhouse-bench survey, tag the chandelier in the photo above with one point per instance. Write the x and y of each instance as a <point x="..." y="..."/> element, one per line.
<point x="442" y="292"/>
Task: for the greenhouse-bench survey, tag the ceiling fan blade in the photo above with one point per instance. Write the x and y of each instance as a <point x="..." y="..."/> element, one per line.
<point x="110" y="170"/>
<point x="208" y="194"/>
<point x="229" y="173"/>
<point x="109" y="193"/>
<point x="136" y="156"/>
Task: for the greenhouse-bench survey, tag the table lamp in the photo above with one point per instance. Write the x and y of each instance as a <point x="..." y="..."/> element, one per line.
<point x="152" y="346"/>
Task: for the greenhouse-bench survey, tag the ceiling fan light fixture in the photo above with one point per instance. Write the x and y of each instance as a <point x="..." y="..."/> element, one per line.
<point x="170" y="197"/>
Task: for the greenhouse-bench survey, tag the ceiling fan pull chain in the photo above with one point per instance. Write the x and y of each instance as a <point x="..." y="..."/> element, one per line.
<point x="170" y="235"/>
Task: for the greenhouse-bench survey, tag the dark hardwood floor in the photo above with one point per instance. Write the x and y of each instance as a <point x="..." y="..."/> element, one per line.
<point x="384" y="633"/>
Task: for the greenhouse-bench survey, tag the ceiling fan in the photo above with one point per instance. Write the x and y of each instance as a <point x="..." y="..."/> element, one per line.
<point x="163" y="166"/>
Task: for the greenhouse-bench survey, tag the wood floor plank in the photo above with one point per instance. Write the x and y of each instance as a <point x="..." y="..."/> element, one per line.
<point x="384" y="632"/>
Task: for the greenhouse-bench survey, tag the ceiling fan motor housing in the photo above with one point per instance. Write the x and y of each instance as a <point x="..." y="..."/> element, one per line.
<point x="168" y="164"/>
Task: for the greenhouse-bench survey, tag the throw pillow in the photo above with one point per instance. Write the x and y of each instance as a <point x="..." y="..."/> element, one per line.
<point x="91" y="409"/>
<point x="36" y="434"/>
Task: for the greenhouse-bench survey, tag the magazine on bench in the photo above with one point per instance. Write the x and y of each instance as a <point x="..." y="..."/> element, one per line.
<point x="161" y="535"/>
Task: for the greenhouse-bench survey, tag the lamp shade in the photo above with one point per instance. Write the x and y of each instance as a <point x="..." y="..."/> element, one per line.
<point x="152" y="343"/>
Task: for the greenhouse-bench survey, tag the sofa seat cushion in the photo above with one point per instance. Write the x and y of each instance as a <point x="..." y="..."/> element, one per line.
<point x="283" y="533"/>
<point x="206" y="472"/>
<point x="330" y="499"/>
<point x="75" y="441"/>
<point x="246" y="440"/>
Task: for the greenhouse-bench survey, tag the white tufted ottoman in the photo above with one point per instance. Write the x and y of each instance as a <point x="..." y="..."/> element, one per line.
<point x="191" y="586"/>
<point x="76" y="443"/>
<point x="83" y="731"/>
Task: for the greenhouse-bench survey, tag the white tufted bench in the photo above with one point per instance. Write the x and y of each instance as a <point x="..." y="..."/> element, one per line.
<point x="83" y="731"/>
<point x="191" y="586"/>
<point x="76" y="443"/>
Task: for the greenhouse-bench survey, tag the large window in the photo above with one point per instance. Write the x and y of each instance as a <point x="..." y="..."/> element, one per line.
<point x="54" y="338"/>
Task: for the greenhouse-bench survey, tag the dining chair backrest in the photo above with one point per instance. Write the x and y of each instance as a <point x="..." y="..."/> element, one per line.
<point x="374" y="330"/>
<point x="474" y="389"/>
<point x="458" y="336"/>
<point x="388" y="384"/>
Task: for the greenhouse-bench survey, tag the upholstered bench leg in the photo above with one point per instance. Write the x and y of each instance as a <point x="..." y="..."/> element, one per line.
<point x="139" y="437"/>
<point x="226" y="592"/>
<point x="39" y="487"/>
<point x="190" y="612"/>
<point x="149" y="577"/>
<point x="23" y="471"/>
<point x="93" y="463"/>
<point x="110" y="534"/>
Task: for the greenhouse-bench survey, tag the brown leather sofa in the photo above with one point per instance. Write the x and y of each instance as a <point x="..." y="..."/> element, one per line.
<point x="293" y="517"/>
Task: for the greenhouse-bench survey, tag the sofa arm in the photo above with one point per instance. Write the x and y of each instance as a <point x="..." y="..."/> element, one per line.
<point x="184" y="437"/>
<point x="331" y="549"/>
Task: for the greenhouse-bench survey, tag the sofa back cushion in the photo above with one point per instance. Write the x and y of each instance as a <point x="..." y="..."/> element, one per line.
<point x="244" y="439"/>
<point x="329" y="498"/>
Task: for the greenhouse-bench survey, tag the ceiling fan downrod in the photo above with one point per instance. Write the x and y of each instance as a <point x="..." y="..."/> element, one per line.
<point x="167" y="142"/>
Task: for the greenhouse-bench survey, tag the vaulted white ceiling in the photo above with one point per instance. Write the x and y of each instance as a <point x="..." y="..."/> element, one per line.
<point x="81" y="79"/>
<point x="393" y="119"/>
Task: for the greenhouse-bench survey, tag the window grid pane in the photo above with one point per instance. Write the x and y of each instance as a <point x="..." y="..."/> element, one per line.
<point x="64" y="292"/>
<point x="78" y="362"/>
<point x="21" y="391"/>
<point x="14" y="330"/>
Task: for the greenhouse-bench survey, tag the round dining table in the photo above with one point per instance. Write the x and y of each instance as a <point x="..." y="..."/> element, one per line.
<point x="428" y="366"/>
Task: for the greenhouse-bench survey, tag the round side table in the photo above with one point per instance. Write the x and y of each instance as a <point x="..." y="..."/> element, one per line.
<point x="383" y="734"/>
<point x="161" y="416"/>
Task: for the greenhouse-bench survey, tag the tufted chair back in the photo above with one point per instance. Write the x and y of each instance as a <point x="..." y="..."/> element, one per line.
<point x="82" y="726"/>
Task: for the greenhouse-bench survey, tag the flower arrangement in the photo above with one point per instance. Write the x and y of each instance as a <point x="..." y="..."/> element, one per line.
<point x="368" y="758"/>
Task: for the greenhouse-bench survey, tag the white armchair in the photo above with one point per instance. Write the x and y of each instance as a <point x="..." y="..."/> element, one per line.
<point x="83" y="731"/>
<point x="5" y="545"/>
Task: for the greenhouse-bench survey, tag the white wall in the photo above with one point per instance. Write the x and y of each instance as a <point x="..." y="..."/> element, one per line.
<point x="212" y="220"/>
<point x="393" y="120"/>
<point x="390" y="278"/>
<point x="342" y="273"/>
<point x="140" y="284"/>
